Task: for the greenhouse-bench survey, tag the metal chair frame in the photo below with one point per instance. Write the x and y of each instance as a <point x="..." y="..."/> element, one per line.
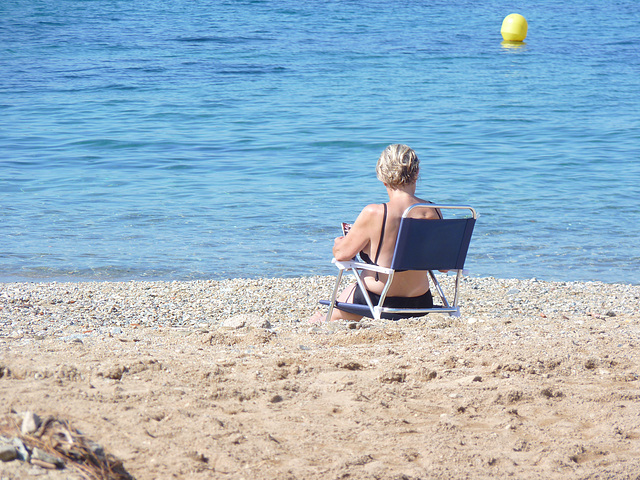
<point x="443" y="243"/>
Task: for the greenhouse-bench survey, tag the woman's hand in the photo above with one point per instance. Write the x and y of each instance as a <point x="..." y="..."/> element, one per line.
<point x="338" y="244"/>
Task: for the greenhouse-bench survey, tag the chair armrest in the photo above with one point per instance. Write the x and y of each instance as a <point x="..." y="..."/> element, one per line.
<point x="349" y="264"/>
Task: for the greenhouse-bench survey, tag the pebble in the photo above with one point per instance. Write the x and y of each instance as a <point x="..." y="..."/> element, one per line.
<point x="7" y="452"/>
<point x="30" y="423"/>
<point x="75" y="312"/>
<point x="45" y="457"/>
<point x="21" y="450"/>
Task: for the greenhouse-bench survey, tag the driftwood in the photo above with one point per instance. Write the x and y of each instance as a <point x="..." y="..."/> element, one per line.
<point x="56" y="444"/>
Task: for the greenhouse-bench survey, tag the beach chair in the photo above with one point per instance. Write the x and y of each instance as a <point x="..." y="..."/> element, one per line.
<point x="422" y="244"/>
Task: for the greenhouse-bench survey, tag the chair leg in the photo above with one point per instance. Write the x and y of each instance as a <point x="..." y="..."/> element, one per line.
<point x="445" y="302"/>
<point x="439" y="289"/>
<point x="455" y="297"/>
<point x="332" y="304"/>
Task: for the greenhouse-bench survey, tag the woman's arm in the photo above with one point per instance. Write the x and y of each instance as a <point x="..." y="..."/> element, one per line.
<point x="347" y="247"/>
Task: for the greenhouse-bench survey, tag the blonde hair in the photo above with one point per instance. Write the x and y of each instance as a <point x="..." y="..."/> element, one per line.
<point x="398" y="165"/>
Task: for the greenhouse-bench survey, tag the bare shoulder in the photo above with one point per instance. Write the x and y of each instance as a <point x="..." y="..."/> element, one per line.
<point x="374" y="209"/>
<point x="427" y="213"/>
<point x="371" y="212"/>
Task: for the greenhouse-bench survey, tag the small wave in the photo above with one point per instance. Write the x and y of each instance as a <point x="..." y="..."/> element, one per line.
<point x="221" y="39"/>
<point x="251" y="70"/>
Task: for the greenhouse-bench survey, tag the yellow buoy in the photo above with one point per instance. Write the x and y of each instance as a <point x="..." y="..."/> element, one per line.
<point x="514" y="28"/>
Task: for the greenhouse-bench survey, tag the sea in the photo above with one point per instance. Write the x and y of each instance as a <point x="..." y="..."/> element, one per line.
<point x="214" y="139"/>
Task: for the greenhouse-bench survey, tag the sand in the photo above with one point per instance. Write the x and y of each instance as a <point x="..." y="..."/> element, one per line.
<point x="199" y="380"/>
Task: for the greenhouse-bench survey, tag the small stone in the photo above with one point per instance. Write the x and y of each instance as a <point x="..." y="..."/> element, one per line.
<point x="30" y="423"/>
<point x="235" y="322"/>
<point x="8" y="453"/>
<point x="429" y="374"/>
<point x="23" y="453"/>
<point x="477" y="378"/>
<point x="276" y="399"/>
<point x="43" y="456"/>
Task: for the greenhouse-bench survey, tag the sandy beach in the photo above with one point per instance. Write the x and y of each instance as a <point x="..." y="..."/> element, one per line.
<point x="206" y="379"/>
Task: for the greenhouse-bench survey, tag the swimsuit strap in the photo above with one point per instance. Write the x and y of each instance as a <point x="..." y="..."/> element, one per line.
<point x="384" y="223"/>
<point x="438" y="212"/>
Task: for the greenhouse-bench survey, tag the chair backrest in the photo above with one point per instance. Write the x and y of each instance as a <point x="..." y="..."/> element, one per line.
<point x="433" y="244"/>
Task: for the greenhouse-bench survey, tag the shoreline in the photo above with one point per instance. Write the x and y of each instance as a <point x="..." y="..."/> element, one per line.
<point x="283" y="300"/>
<point x="224" y="379"/>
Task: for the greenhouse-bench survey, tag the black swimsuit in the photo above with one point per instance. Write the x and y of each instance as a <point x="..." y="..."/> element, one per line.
<point x="423" y="301"/>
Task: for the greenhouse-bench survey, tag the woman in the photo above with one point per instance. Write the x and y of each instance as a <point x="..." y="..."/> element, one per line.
<point x="373" y="236"/>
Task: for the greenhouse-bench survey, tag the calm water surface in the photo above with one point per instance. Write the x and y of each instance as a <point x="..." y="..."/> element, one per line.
<point x="214" y="139"/>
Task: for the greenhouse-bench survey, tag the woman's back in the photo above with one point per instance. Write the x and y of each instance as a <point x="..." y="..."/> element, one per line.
<point x="405" y="283"/>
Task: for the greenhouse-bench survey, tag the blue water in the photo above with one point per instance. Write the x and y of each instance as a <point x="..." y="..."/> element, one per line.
<point x="214" y="139"/>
